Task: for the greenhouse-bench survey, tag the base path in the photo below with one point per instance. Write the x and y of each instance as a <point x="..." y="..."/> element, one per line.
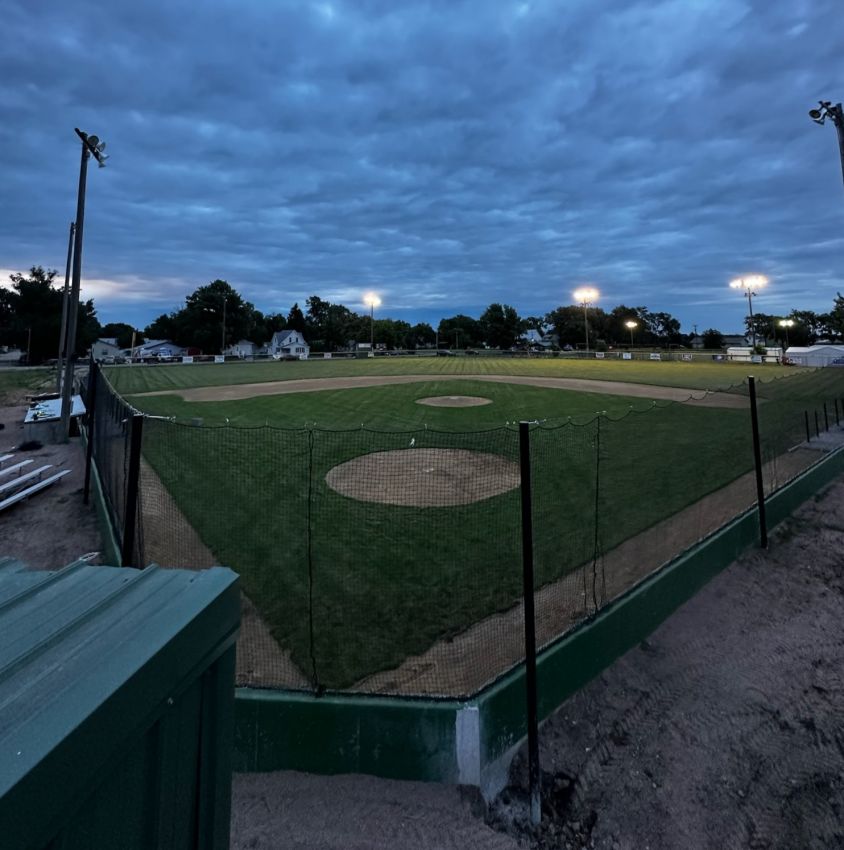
<point x="311" y="385"/>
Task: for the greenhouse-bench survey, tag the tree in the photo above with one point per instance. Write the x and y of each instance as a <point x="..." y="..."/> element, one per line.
<point x="296" y="319"/>
<point x="501" y="325"/>
<point x="713" y="338"/>
<point x="836" y="317"/>
<point x="31" y="315"/>
<point x="460" y="331"/>
<point x="421" y="335"/>
<point x="123" y="333"/>
<point x="764" y="325"/>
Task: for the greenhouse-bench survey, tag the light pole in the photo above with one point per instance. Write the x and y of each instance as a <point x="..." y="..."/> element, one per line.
<point x="372" y="301"/>
<point x="630" y="325"/>
<point x="750" y="286"/>
<point x="223" y="338"/>
<point x="836" y="115"/>
<point x="786" y="323"/>
<point x="63" y="332"/>
<point x="585" y="296"/>
<point x="91" y="146"/>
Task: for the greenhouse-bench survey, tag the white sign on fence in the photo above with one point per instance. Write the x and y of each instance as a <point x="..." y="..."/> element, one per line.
<point x="187" y="359"/>
<point x="327" y="355"/>
<point x="626" y="355"/>
<point x="655" y="355"/>
<point x="219" y="358"/>
<point x="687" y="357"/>
<point x="599" y="355"/>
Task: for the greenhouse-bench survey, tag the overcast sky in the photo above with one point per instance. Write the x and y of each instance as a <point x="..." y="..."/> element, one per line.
<point x="445" y="154"/>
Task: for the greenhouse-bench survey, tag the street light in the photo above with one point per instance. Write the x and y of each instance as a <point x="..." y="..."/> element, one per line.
<point x="630" y="325"/>
<point x="786" y="323"/>
<point x="91" y="146"/>
<point x="372" y="301"/>
<point x="750" y="286"/>
<point x="585" y="296"/>
<point x="836" y="115"/>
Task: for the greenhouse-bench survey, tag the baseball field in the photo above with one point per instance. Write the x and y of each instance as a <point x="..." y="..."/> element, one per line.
<point x="372" y="507"/>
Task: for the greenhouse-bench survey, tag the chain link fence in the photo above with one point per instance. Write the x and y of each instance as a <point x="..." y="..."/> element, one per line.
<point x="390" y="562"/>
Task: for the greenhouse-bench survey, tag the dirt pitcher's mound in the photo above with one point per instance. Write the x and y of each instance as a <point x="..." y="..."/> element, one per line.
<point x="454" y="401"/>
<point x="424" y="478"/>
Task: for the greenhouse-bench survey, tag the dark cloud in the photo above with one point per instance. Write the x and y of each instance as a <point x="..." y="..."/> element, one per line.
<point x="446" y="153"/>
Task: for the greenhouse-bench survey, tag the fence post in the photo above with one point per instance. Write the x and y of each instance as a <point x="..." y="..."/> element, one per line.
<point x="90" y="404"/>
<point x="530" y="625"/>
<point x="837" y="419"/>
<point x="136" y="426"/>
<point x="757" y="457"/>
<point x="825" y="417"/>
<point x="817" y="425"/>
<point x="808" y="432"/>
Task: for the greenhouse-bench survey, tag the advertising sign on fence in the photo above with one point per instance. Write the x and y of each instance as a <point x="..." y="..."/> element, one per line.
<point x="327" y="355"/>
<point x="687" y="357"/>
<point x="626" y="355"/>
<point x="187" y="359"/>
<point x="599" y="355"/>
<point x="219" y="358"/>
<point x="655" y="355"/>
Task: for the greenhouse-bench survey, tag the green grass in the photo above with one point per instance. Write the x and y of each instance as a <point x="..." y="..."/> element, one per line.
<point x="389" y="581"/>
<point x="15" y="382"/>
<point x="386" y="582"/>
<point x="696" y="375"/>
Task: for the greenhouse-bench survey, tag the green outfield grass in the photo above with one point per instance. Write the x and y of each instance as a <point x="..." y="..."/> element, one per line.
<point x="696" y="375"/>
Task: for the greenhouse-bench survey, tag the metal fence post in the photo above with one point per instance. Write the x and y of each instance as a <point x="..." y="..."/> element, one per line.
<point x="530" y="625"/>
<point x="136" y="425"/>
<point x="90" y="404"/>
<point x="757" y="457"/>
<point x="808" y="432"/>
<point x="825" y="417"/>
<point x="817" y="425"/>
<point x="837" y="419"/>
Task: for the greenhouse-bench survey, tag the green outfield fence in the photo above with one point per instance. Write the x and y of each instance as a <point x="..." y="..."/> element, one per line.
<point x="391" y="562"/>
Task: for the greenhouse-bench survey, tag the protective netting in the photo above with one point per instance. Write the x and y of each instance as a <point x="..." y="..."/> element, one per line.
<point x="391" y="562"/>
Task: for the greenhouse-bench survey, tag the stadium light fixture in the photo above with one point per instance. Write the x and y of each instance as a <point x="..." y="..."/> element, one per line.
<point x="750" y="285"/>
<point x="786" y="323"/>
<point x="836" y="115"/>
<point x="630" y="325"/>
<point x="91" y="146"/>
<point x="585" y="296"/>
<point x="372" y="301"/>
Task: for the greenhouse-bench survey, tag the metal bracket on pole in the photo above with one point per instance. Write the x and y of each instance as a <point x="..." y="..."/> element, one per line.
<point x="530" y="626"/>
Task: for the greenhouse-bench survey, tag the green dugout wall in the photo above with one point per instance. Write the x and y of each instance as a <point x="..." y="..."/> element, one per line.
<point x="472" y="742"/>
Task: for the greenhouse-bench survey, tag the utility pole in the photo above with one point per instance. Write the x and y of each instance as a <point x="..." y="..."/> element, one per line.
<point x="63" y="334"/>
<point x="836" y="115"/>
<point x="223" y="342"/>
<point x="91" y="145"/>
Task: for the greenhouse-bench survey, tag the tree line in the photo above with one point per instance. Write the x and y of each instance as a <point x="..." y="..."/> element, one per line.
<point x="216" y="315"/>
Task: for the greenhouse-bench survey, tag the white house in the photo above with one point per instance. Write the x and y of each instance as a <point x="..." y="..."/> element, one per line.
<point x="745" y="353"/>
<point x="105" y="347"/>
<point x="289" y="344"/>
<point x="158" y="348"/>
<point x="243" y="348"/>
<point x="816" y="355"/>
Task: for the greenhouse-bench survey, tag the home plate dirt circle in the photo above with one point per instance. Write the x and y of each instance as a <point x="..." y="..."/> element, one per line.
<point x="424" y="478"/>
<point x="454" y="401"/>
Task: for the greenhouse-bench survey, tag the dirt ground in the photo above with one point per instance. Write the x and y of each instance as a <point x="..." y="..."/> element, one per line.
<point x="724" y="729"/>
<point x="310" y="385"/>
<point x="454" y="401"/>
<point x="53" y="527"/>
